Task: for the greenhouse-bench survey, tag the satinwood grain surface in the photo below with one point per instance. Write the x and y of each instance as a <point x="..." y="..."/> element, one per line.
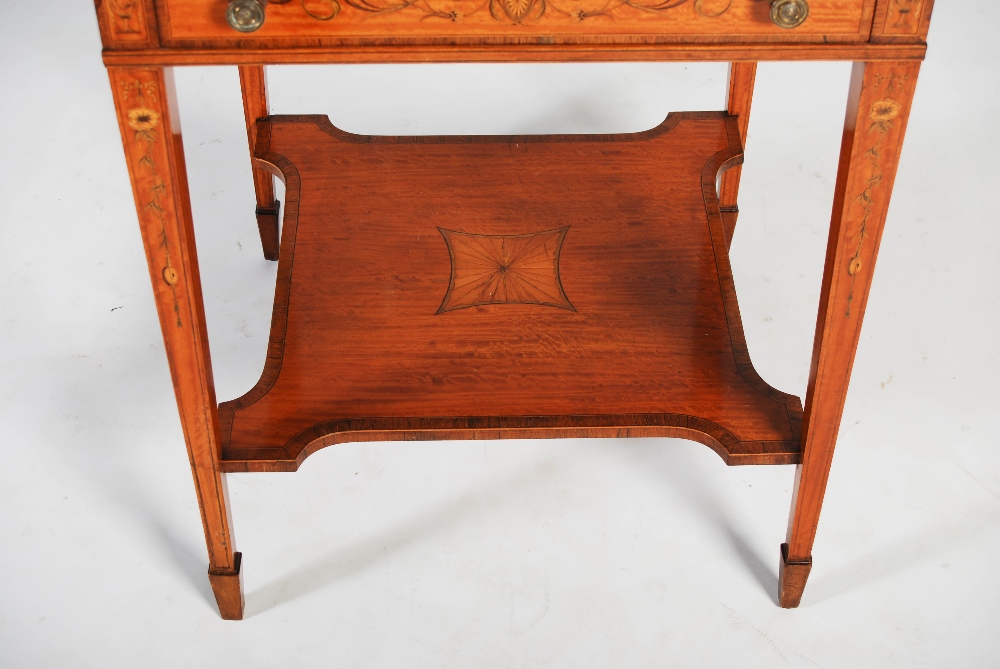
<point x="902" y="21"/>
<point x="640" y="334"/>
<point x="253" y="85"/>
<point x="739" y="98"/>
<point x="877" y="112"/>
<point x="507" y="287"/>
<point x="194" y="32"/>
<point x="394" y="22"/>
<point x="127" y="24"/>
<point x="147" y="117"/>
<point x="600" y="51"/>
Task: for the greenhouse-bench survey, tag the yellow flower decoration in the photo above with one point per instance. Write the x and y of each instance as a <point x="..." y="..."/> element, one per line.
<point x="884" y="110"/>
<point x="142" y="118"/>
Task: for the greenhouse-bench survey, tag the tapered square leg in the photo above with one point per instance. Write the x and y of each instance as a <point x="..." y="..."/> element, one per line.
<point x="154" y="153"/>
<point x="878" y="107"/>
<point x="253" y="84"/>
<point x="228" y="589"/>
<point x="738" y="100"/>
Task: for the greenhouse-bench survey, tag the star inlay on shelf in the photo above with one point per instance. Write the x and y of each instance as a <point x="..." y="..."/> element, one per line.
<point x="505" y="269"/>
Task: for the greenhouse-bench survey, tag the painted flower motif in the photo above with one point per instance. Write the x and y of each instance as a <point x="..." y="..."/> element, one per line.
<point x="142" y="118"/>
<point x="884" y="111"/>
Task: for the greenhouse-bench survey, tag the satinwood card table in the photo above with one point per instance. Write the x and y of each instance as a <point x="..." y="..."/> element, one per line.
<point x="496" y="287"/>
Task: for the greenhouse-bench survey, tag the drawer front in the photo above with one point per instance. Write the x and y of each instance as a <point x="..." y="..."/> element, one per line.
<point x="202" y="23"/>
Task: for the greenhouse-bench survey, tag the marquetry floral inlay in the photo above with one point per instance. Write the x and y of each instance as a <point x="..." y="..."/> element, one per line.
<point x="511" y="11"/>
<point x="504" y="269"/>
<point x="143" y="120"/>
<point x="881" y="114"/>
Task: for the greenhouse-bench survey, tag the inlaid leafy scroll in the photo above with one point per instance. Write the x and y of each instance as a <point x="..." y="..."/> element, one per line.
<point x="510" y="11"/>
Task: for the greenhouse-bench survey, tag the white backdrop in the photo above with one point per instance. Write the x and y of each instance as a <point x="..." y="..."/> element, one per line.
<point x="564" y="553"/>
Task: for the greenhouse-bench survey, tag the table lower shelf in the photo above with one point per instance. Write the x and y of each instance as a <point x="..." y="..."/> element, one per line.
<point x="504" y="287"/>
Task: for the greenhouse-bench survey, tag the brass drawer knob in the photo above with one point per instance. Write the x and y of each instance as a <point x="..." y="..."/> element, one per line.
<point x="789" y="13"/>
<point x="248" y="15"/>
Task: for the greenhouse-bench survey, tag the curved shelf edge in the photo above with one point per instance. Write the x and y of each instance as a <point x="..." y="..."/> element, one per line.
<point x="289" y="457"/>
<point x="323" y="122"/>
<point x="719" y="163"/>
<point x="725" y="444"/>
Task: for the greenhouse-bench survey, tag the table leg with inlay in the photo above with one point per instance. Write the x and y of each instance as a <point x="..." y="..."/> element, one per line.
<point x="147" y="117"/>
<point x="877" y="110"/>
